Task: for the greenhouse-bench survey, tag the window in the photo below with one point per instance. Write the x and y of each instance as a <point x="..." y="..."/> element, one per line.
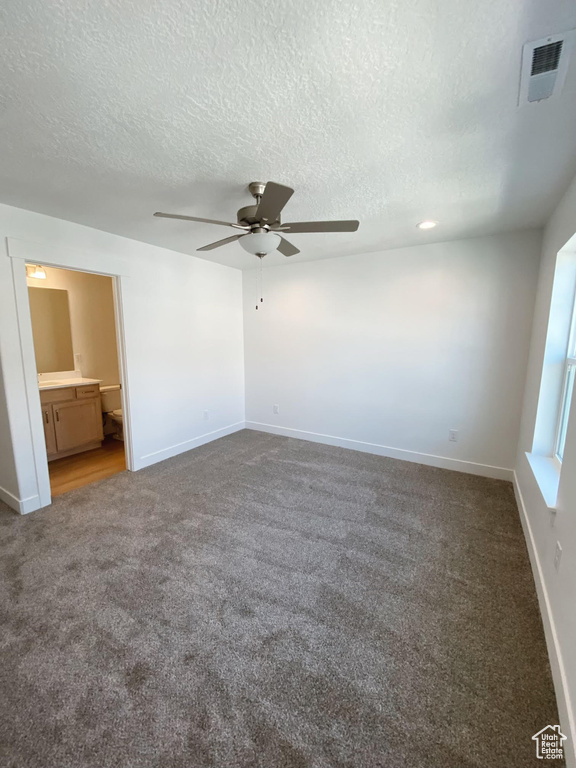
<point x="558" y="378"/>
<point x="567" y="389"/>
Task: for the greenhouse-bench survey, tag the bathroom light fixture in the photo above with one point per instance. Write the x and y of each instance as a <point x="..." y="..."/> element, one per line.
<point x="427" y="224"/>
<point x="260" y="243"/>
<point x="35" y="270"/>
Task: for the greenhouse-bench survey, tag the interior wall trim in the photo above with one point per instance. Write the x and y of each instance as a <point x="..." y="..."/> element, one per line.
<point x="67" y="257"/>
<point x="22" y="506"/>
<point x="21" y="251"/>
<point x="442" y="462"/>
<point x="174" y="450"/>
<point x="565" y="709"/>
<point x="119" y="322"/>
<point x="38" y="459"/>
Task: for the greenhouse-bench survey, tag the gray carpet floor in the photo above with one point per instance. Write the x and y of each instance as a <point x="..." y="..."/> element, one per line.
<point x="263" y="601"/>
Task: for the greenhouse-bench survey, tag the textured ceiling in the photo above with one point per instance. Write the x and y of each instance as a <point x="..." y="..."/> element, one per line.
<point x="383" y="110"/>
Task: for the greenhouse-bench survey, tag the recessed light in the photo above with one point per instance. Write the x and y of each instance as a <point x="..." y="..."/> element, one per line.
<point x="427" y="224"/>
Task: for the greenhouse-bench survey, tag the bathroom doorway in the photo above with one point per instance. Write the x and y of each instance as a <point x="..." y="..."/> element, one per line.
<point x="74" y="328"/>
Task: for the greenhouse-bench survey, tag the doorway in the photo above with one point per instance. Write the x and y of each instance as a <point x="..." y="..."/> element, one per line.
<point x="75" y="335"/>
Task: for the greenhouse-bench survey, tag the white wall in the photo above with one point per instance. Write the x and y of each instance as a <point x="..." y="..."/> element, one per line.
<point x="394" y="349"/>
<point x="183" y="337"/>
<point x="91" y="301"/>
<point x="557" y="590"/>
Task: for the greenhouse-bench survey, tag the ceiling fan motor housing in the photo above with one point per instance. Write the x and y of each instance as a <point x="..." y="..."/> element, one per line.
<point x="247" y="215"/>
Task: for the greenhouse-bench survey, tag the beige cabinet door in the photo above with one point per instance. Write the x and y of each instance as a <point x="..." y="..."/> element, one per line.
<point x="49" y="434"/>
<point x="77" y="423"/>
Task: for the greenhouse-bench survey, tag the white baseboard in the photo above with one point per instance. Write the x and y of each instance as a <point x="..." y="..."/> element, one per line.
<point x="187" y="445"/>
<point x="565" y="710"/>
<point x="458" y="465"/>
<point x="22" y="506"/>
<point x="32" y="503"/>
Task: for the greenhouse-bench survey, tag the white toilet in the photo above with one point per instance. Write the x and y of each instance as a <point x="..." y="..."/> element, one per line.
<point x="111" y="397"/>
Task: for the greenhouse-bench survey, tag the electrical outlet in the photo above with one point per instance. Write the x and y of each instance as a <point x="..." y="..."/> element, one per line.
<point x="276" y="409"/>
<point x="557" y="556"/>
<point x="206" y="415"/>
<point x="453" y="435"/>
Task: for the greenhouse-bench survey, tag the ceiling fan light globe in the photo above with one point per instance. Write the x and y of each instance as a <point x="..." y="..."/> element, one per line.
<point x="260" y="243"/>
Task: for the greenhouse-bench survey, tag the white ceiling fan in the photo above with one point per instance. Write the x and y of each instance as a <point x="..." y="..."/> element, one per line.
<point x="261" y="223"/>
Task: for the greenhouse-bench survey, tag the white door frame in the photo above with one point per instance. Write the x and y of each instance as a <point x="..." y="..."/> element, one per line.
<point x="20" y="252"/>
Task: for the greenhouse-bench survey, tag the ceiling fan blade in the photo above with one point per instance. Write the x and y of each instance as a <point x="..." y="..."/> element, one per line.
<point x="286" y="248"/>
<point x="273" y="200"/>
<point x="321" y="226"/>
<point x="218" y="243"/>
<point x="195" y="218"/>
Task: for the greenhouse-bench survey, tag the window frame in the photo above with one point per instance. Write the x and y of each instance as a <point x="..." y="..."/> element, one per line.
<point x="567" y="389"/>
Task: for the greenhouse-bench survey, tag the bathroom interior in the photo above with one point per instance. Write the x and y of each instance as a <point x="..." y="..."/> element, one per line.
<point x="76" y="348"/>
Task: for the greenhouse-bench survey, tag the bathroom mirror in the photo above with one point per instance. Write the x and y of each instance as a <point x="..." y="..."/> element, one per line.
<point x="51" y="328"/>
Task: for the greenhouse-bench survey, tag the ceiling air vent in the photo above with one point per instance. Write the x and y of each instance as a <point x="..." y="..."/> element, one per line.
<point x="544" y="67"/>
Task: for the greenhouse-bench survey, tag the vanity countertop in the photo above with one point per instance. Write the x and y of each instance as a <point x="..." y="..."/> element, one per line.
<point x="73" y="382"/>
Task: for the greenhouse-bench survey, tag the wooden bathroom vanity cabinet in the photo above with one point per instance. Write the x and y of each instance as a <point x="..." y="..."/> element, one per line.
<point x="72" y="419"/>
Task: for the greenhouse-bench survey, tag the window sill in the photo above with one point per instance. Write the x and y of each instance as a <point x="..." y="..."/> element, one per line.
<point x="547" y="474"/>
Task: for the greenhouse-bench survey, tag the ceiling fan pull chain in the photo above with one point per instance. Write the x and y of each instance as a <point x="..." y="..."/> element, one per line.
<point x="259" y="282"/>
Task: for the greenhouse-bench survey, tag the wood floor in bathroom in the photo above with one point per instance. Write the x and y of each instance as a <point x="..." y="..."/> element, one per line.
<point x="87" y="467"/>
